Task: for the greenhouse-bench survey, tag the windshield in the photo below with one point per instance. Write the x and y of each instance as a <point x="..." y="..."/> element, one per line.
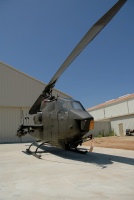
<point x="75" y="105"/>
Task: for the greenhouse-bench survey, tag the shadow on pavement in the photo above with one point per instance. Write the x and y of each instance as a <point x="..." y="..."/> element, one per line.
<point x="98" y="159"/>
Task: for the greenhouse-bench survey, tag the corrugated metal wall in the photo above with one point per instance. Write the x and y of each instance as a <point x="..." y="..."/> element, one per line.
<point x="18" y="92"/>
<point x="8" y="124"/>
<point x="10" y="118"/>
<point x="131" y="106"/>
<point x="101" y="127"/>
<point x="98" y="114"/>
<point x="18" y="89"/>
<point x="120" y="115"/>
<point x="126" y="122"/>
<point x="114" y="110"/>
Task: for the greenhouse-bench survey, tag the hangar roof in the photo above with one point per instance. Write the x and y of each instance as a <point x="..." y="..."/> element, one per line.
<point x="112" y="101"/>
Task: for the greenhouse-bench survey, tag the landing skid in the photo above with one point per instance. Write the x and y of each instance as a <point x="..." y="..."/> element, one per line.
<point x="35" y="153"/>
<point x="82" y="151"/>
<point x="69" y="148"/>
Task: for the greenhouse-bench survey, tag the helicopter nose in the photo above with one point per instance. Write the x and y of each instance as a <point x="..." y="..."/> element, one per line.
<point x="84" y="119"/>
<point x="87" y="124"/>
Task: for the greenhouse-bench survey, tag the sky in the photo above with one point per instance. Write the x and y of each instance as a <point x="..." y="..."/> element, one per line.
<point x="36" y="36"/>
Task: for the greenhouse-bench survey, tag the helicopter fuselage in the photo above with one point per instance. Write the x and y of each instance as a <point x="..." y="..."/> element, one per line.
<point x="64" y="121"/>
<point x="61" y="122"/>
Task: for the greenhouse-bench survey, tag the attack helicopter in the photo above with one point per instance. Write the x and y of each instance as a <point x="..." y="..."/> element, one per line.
<point x="59" y="121"/>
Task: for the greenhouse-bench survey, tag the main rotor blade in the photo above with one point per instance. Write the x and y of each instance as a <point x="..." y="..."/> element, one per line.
<point x="90" y="35"/>
<point x="36" y="106"/>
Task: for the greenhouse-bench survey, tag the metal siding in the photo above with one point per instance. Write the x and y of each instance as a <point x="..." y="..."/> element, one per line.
<point x="116" y="110"/>
<point x="97" y="114"/>
<point x="119" y="113"/>
<point x="131" y="106"/>
<point x="18" y="89"/>
<point x="9" y="121"/>
<point x="101" y="127"/>
<point x="127" y="121"/>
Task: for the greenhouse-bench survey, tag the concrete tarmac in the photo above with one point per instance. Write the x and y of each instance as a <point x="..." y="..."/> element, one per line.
<point x="62" y="175"/>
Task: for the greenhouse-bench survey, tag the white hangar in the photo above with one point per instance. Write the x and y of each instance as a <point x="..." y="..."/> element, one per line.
<point x="18" y="92"/>
<point x="115" y="115"/>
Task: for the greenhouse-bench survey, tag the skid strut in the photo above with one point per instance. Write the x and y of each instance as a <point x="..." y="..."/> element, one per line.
<point x="28" y="150"/>
<point x="37" y="150"/>
<point x="81" y="150"/>
<point x="35" y="153"/>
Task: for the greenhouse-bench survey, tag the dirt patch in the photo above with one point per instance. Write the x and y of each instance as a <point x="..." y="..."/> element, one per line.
<point x="122" y="142"/>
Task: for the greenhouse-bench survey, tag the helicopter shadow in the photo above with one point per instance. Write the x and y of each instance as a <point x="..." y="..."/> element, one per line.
<point x="99" y="159"/>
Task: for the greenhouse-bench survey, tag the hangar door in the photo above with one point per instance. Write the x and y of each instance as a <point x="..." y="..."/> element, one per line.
<point x="10" y="118"/>
<point x="8" y="124"/>
<point x="121" y="132"/>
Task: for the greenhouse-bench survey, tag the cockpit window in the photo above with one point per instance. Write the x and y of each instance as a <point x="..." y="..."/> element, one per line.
<point x="62" y="106"/>
<point x="75" y="105"/>
<point x="69" y="105"/>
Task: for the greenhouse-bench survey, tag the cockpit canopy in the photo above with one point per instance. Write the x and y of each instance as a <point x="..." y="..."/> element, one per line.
<point x="62" y="104"/>
<point x="69" y="104"/>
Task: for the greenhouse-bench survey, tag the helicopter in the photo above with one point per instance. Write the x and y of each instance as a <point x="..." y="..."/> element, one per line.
<point x="64" y="122"/>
